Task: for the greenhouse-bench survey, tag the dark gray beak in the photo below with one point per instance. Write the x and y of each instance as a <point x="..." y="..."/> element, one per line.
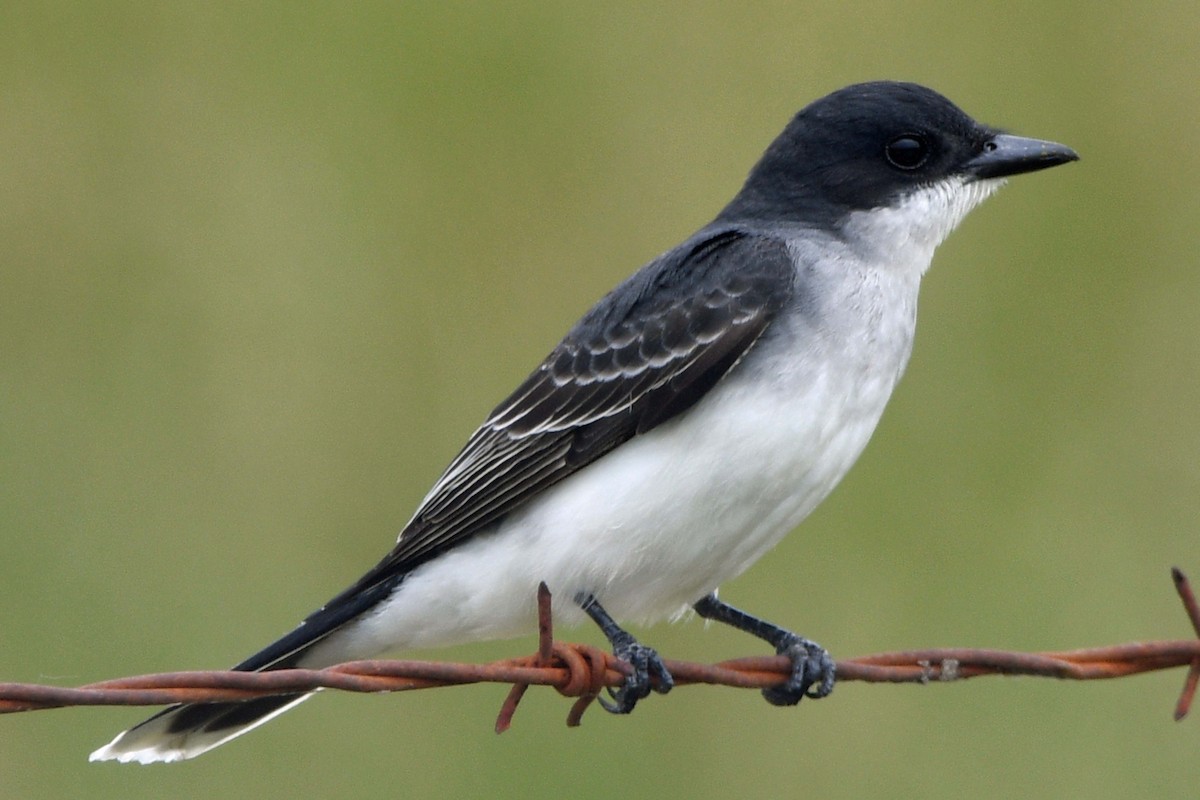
<point x="1005" y="155"/>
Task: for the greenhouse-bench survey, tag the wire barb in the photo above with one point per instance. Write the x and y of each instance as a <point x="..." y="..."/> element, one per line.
<point x="581" y="671"/>
<point x="1184" y="587"/>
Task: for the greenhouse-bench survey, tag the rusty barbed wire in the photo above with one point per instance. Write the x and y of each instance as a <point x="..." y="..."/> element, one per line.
<point x="581" y="671"/>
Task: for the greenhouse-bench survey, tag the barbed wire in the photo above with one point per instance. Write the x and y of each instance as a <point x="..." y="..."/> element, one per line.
<point x="581" y="671"/>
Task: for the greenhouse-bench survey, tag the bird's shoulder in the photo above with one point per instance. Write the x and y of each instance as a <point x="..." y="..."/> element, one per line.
<point x="711" y="295"/>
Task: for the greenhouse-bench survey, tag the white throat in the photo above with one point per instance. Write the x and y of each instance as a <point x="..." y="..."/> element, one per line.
<point x="906" y="234"/>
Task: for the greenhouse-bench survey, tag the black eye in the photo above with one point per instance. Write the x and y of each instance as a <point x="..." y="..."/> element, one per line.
<point x="907" y="152"/>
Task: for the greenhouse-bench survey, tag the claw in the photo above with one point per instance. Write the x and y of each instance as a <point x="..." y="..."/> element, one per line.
<point x="813" y="672"/>
<point x="648" y="672"/>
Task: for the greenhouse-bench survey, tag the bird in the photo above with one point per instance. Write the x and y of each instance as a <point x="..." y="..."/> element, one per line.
<point x="689" y="420"/>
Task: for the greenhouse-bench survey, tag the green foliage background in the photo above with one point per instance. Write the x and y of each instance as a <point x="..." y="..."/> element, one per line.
<point x="264" y="267"/>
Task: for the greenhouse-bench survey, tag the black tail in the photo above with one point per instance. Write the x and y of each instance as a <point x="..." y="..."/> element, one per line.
<point x="187" y="730"/>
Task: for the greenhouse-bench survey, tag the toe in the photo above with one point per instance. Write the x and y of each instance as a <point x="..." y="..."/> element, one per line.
<point x="813" y="674"/>
<point x="648" y="672"/>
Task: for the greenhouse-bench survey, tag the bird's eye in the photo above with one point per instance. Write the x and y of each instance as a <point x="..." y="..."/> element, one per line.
<point x="907" y="152"/>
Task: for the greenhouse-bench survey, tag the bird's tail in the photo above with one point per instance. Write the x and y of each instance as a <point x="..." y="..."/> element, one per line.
<point x="186" y="730"/>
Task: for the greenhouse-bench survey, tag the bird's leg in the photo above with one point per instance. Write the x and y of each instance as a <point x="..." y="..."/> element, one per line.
<point x="812" y="667"/>
<point x="646" y="663"/>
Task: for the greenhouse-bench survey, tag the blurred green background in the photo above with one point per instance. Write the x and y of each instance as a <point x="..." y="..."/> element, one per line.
<point x="266" y="266"/>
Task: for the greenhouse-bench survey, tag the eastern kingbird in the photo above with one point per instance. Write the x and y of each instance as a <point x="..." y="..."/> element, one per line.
<point x="689" y="420"/>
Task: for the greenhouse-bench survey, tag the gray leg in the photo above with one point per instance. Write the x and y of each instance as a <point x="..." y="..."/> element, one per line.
<point x="645" y="661"/>
<point x="812" y="668"/>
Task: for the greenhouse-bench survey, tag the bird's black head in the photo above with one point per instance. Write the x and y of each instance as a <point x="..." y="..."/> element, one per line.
<point x="871" y="145"/>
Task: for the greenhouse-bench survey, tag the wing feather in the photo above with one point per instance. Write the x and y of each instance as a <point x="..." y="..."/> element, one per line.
<point x="647" y="352"/>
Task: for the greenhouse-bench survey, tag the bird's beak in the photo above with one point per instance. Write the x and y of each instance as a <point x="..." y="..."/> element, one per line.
<point x="1005" y="155"/>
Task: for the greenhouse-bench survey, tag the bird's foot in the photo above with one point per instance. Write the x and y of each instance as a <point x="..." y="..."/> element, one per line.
<point x="648" y="673"/>
<point x="813" y="672"/>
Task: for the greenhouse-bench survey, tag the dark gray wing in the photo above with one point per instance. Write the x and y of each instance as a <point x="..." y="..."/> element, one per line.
<point x="648" y="351"/>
